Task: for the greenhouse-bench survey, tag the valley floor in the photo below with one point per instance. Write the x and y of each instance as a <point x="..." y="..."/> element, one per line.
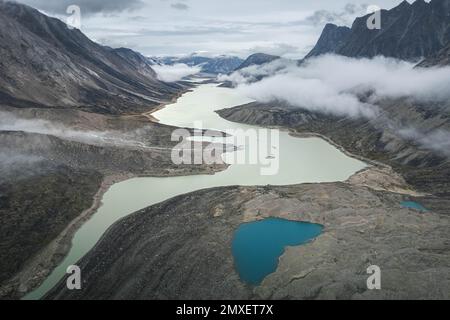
<point x="180" y="249"/>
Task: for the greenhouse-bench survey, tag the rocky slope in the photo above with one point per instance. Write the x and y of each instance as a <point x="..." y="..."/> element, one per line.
<point x="181" y="249"/>
<point x="46" y="64"/>
<point x="408" y="32"/>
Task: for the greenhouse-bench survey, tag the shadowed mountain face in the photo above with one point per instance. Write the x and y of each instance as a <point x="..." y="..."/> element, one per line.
<point x="257" y="59"/>
<point x="44" y="63"/>
<point x="408" y="31"/>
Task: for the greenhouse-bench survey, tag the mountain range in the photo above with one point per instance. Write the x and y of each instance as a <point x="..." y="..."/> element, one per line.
<point x="257" y="59"/>
<point x="408" y="32"/>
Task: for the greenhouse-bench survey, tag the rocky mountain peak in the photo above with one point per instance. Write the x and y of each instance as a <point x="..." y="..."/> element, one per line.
<point x="408" y="31"/>
<point x="45" y="63"/>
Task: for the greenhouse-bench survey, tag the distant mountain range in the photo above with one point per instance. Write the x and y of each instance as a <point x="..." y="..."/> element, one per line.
<point x="44" y="63"/>
<point x="211" y="65"/>
<point x="408" y="32"/>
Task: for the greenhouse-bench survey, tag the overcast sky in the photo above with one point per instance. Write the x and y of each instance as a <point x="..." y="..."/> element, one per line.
<point x="239" y="27"/>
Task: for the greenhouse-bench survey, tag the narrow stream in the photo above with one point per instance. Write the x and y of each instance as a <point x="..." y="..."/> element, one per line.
<point x="300" y="161"/>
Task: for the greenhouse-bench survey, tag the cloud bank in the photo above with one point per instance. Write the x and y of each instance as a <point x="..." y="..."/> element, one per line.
<point x="176" y="72"/>
<point x="334" y="84"/>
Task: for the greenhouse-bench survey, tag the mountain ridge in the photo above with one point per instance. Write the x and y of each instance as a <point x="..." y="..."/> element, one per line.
<point x="46" y="64"/>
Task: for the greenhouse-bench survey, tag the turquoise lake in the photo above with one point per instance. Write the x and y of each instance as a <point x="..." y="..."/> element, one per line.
<point x="258" y="245"/>
<point x="414" y="205"/>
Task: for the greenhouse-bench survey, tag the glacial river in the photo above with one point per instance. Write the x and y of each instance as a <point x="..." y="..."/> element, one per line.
<point x="299" y="160"/>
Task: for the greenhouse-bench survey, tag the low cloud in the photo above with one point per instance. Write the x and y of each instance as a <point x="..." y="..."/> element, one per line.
<point x="350" y="87"/>
<point x="334" y="84"/>
<point x="176" y="72"/>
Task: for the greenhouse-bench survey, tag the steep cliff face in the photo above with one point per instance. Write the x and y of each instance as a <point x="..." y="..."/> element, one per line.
<point x="408" y="31"/>
<point x="331" y="40"/>
<point x="44" y="63"/>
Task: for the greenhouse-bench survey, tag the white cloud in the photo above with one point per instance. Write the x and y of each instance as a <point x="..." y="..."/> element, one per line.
<point x="333" y="84"/>
<point x="176" y="72"/>
<point x="345" y="16"/>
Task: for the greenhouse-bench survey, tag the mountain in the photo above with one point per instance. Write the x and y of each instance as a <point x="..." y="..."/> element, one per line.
<point x="257" y="59"/>
<point x="332" y="38"/>
<point x="408" y="31"/>
<point x="442" y="58"/>
<point x="212" y="65"/>
<point x="46" y="64"/>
